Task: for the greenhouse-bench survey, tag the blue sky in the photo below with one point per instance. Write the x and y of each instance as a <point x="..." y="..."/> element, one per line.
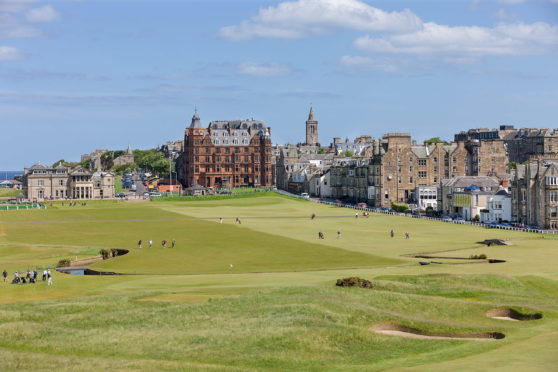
<point x="80" y="75"/>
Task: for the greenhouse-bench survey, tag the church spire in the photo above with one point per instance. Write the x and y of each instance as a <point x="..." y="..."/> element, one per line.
<point x="129" y="151"/>
<point x="312" y="129"/>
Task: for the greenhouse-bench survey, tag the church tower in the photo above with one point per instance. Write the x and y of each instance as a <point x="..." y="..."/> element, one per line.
<point x="312" y="130"/>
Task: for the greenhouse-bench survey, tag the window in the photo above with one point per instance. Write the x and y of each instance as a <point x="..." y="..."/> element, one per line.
<point x="422" y="162"/>
<point x="410" y="159"/>
<point x="553" y="196"/>
<point x="552" y="180"/>
<point x="435" y="179"/>
<point x="436" y="169"/>
<point x="454" y="159"/>
<point x="40" y="182"/>
<point x="422" y="174"/>
<point x="553" y="212"/>
<point x="410" y="179"/>
<point x="399" y="179"/>
<point x="410" y="168"/>
<point x="435" y="159"/>
<point x="60" y="182"/>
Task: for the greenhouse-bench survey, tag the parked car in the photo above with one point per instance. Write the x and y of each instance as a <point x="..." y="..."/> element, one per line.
<point x="447" y="218"/>
<point x="155" y="194"/>
<point x="121" y="195"/>
<point x="305" y="195"/>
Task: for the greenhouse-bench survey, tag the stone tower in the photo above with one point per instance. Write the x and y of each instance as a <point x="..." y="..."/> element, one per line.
<point x="312" y="130"/>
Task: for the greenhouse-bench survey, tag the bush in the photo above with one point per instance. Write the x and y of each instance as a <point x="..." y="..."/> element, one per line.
<point x="401" y="208"/>
<point x="105" y="253"/>
<point x="64" y="263"/>
<point x="354" y="282"/>
<point x="481" y="256"/>
<point x="113" y="252"/>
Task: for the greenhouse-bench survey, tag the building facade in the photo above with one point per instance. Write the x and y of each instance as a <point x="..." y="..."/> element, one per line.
<point x="535" y="193"/>
<point x="47" y="183"/>
<point x="227" y="154"/>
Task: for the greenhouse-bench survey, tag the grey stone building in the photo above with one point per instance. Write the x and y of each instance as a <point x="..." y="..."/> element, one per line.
<point x="535" y="193"/>
<point x="520" y="144"/>
<point x="47" y="183"/>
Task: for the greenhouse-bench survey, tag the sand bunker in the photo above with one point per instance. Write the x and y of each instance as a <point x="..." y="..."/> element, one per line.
<point x="511" y="315"/>
<point x="394" y="329"/>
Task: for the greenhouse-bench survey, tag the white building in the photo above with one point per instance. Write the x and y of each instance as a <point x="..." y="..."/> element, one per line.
<point x="498" y="208"/>
<point x="426" y="196"/>
<point x="320" y="185"/>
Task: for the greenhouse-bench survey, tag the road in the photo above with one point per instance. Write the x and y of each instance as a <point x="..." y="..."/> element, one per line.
<point x="140" y="188"/>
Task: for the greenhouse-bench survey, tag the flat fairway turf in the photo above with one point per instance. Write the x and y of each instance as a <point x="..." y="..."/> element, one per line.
<point x="260" y="294"/>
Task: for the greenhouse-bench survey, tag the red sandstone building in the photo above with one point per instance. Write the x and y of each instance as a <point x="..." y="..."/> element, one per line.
<point x="227" y="154"/>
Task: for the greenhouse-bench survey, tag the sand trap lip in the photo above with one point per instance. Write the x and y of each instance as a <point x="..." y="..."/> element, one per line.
<point x="394" y="329"/>
<point x="504" y="313"/>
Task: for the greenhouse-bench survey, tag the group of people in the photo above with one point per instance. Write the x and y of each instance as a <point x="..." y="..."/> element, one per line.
<point x="73" y="204"/>
<point x="321" y="235"/>
<point x="163" y="243"/>
<point x="392" y="234"/>
<point x="29" y="277"/>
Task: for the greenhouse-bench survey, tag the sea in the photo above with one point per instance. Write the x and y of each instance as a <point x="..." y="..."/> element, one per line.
<point x="9" y="175"/>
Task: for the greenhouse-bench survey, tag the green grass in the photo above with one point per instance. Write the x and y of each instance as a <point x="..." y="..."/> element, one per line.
<point x="277" y="308"/>
<point x="9" y="192"/>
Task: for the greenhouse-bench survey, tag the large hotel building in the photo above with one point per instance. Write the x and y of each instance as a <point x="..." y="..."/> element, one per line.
<point x="227" y="154"/>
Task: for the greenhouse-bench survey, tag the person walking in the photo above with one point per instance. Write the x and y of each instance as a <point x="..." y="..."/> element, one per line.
<point x="172" y="243"/>
<point x="150" y="243"/>
<point x="338" y="234"/>
<point x="5" y="275"/>
<point x="49" y="278"/>
<point x="220" y="220"/>
<point x="392" y="234"/>
<point x="407" y="236"/>
<point x="44" y="275"/>
<point x="139" y="243"/>
<point x="313" y="216"/>
<point x="356" y="215"/>
<point x="320" y="235"/>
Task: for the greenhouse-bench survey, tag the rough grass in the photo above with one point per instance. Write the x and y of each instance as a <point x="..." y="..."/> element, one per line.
<point x="306" y="328"/>
<point x="223" y="319"/>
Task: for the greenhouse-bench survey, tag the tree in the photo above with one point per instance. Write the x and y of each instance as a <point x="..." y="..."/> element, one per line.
<point x="434" y="140"/>
<point x="152" y="160"/>
<point x="107" y="160"/>
<point x="86" y="163"/>
<point x="321" y="150"/>
<point x="348" y="153"/>
<point x="401" y="208"/>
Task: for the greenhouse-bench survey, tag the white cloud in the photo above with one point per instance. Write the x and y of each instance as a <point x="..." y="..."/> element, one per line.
<point x="301" y="18"/>
<point x="42" y="14"/>
<point x="504" y="14"/>
<point x="503" y="39"/>
<point x="12" y="6"/>
<point x="263" y="69"/>
<point x="8" y="53"/>
<point x="368" y="63"/>
<point x="511" y="2"/>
